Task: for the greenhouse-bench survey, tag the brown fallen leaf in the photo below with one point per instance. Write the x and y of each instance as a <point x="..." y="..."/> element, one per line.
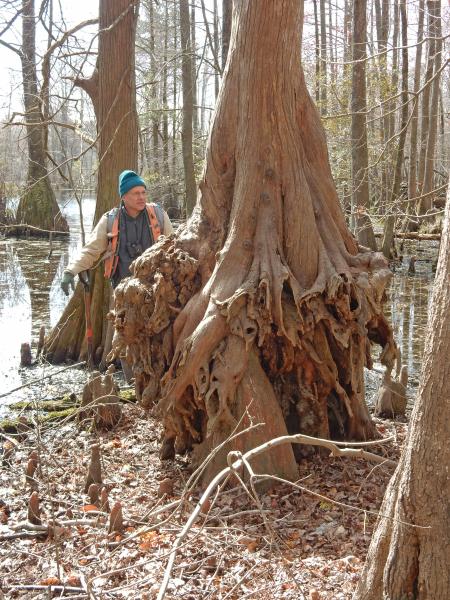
<point x="252" y="546"/>
<point x="149" y="540"/>
<point x="89" y="507"/>
<point x="73" y="581"/>
<point x="50" y="581"/>
<point x="165" y="487"/>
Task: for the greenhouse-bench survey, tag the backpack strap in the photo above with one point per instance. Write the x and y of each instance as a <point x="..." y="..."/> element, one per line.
<point x="156" y="219"/>
<point x="111" y="257"/>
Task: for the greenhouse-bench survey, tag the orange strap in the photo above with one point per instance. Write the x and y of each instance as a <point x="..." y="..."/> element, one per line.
<point x="113" y="257"/>
<point x="154" y="223"/>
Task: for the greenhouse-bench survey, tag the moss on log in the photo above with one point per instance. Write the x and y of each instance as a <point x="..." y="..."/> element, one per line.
<point x="16" y="425"/>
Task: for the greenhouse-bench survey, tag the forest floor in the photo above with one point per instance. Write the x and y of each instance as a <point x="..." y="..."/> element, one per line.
<point x="303" y="542"/>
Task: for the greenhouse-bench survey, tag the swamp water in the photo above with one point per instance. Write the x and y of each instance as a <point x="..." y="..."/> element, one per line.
<point x="30" y="296"/>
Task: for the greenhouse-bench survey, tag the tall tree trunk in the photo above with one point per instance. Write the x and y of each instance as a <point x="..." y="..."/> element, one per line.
<point x="37" y="205"/>
<point x="323" y="58"/>
<point x="426" y="202"/>
<point x="412" y="174"/>
<point x="394" y="204"/>
<point x="382" y="22"/>
<point x="426" y="95"/>
<point x="165" y="104"/>
<point x="227" y="10"/>
<point x="175" y="96"/>
<point x="112" y="90"/>
<point x="331" y="53"/>
<point x="393" y="87"/>
<point x="154" y="119"/>
<point x="194" y="74"/>
<point x="216" y="48"/>
<point x="266" y="303"/>
<point x="317" y="83"/>
<point x="186" y="135"/>
<point x="409" y="554"/>
<point x="360" y="154"/>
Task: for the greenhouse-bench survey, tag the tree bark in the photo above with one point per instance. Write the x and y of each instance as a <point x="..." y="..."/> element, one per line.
<point x="317" y="53"/>
<point x="426" y="95"/>
<point x="194" y="73"/>
<point x="409" y="553"/>
<point x="165" y="118"/>
<point x="394" y="204"/>
<point x="113" y="93"/>
<point x="382" y="22"/>
<point x="360" y="154"/>
<point x="427" y="201"/>
<point x="227" y="10"/>
<point x="154" y="118"/>
<point x="323" y="59"/>
<point x="188" y="106"/>
<point x="37" y="205"/>
<point x="262" y="302"/>
<point x="412" y="174"/>
<point x="216" y="48"/>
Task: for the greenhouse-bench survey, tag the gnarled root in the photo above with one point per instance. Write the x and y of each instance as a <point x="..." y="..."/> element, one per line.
<point x="165" y="278"/>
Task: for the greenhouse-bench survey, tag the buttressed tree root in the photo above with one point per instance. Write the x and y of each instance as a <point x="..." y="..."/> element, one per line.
<point x="261" y="309"/>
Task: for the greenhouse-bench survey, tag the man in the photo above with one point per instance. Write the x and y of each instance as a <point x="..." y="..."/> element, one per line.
<point x="121" y="234"/>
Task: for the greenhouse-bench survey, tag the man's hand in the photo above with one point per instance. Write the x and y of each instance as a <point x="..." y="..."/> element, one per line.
<point x="67" y="282"/>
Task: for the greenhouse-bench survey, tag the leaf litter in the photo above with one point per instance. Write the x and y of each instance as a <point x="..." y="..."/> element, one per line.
<point x="308" y="541"/>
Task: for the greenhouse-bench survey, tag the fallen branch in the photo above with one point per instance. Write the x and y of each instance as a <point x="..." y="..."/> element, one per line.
<point x="21" y="534"/>
<point x="27" y="526"/>
<point x="413" y="235"/>
<point x="19" y="227"/>
<point x="33" y="381"/>
<point x="236" y="460"/>
<point x="50" y="588"/>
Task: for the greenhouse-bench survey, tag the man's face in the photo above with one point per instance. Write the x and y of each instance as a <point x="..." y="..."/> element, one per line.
<point x="135" y="200"/>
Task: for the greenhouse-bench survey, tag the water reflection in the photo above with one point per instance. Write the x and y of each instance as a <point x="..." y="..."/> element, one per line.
<point x="30" y="295"/>
<point x="407" y="308"/>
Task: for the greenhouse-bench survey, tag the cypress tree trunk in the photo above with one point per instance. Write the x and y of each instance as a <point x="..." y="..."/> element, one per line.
<point x="262" y="306"/>
<point x="427" y="203"/>
<point x="37" y="205"/>
<point x="360" y="154"/>
<point x="113" y="94"/>
<point x="394" y="203"/>
<point x="188" y="107"/>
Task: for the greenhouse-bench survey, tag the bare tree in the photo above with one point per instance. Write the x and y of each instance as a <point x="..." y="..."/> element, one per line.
<point x="188" y="106"/>
<point x="394" y="205"/>
<point x="360" y="155"/>
<point x="426" y="202"/>
<point x="37" y="205"/>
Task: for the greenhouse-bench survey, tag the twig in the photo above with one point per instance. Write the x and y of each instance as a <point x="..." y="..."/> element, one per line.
<point x="33" y="228"/>
<point x="33" y="381"/>
<point x="27" y="526"/>
<point x="21" y="534"/>
<point x="51" y="588"/>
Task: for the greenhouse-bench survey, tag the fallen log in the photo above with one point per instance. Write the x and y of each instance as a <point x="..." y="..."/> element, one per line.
<point x="413" y="235"/>
<point x="24" y="230"/>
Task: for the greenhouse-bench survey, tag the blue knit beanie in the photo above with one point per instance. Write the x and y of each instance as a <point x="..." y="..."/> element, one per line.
<point x="127" y="180"/>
